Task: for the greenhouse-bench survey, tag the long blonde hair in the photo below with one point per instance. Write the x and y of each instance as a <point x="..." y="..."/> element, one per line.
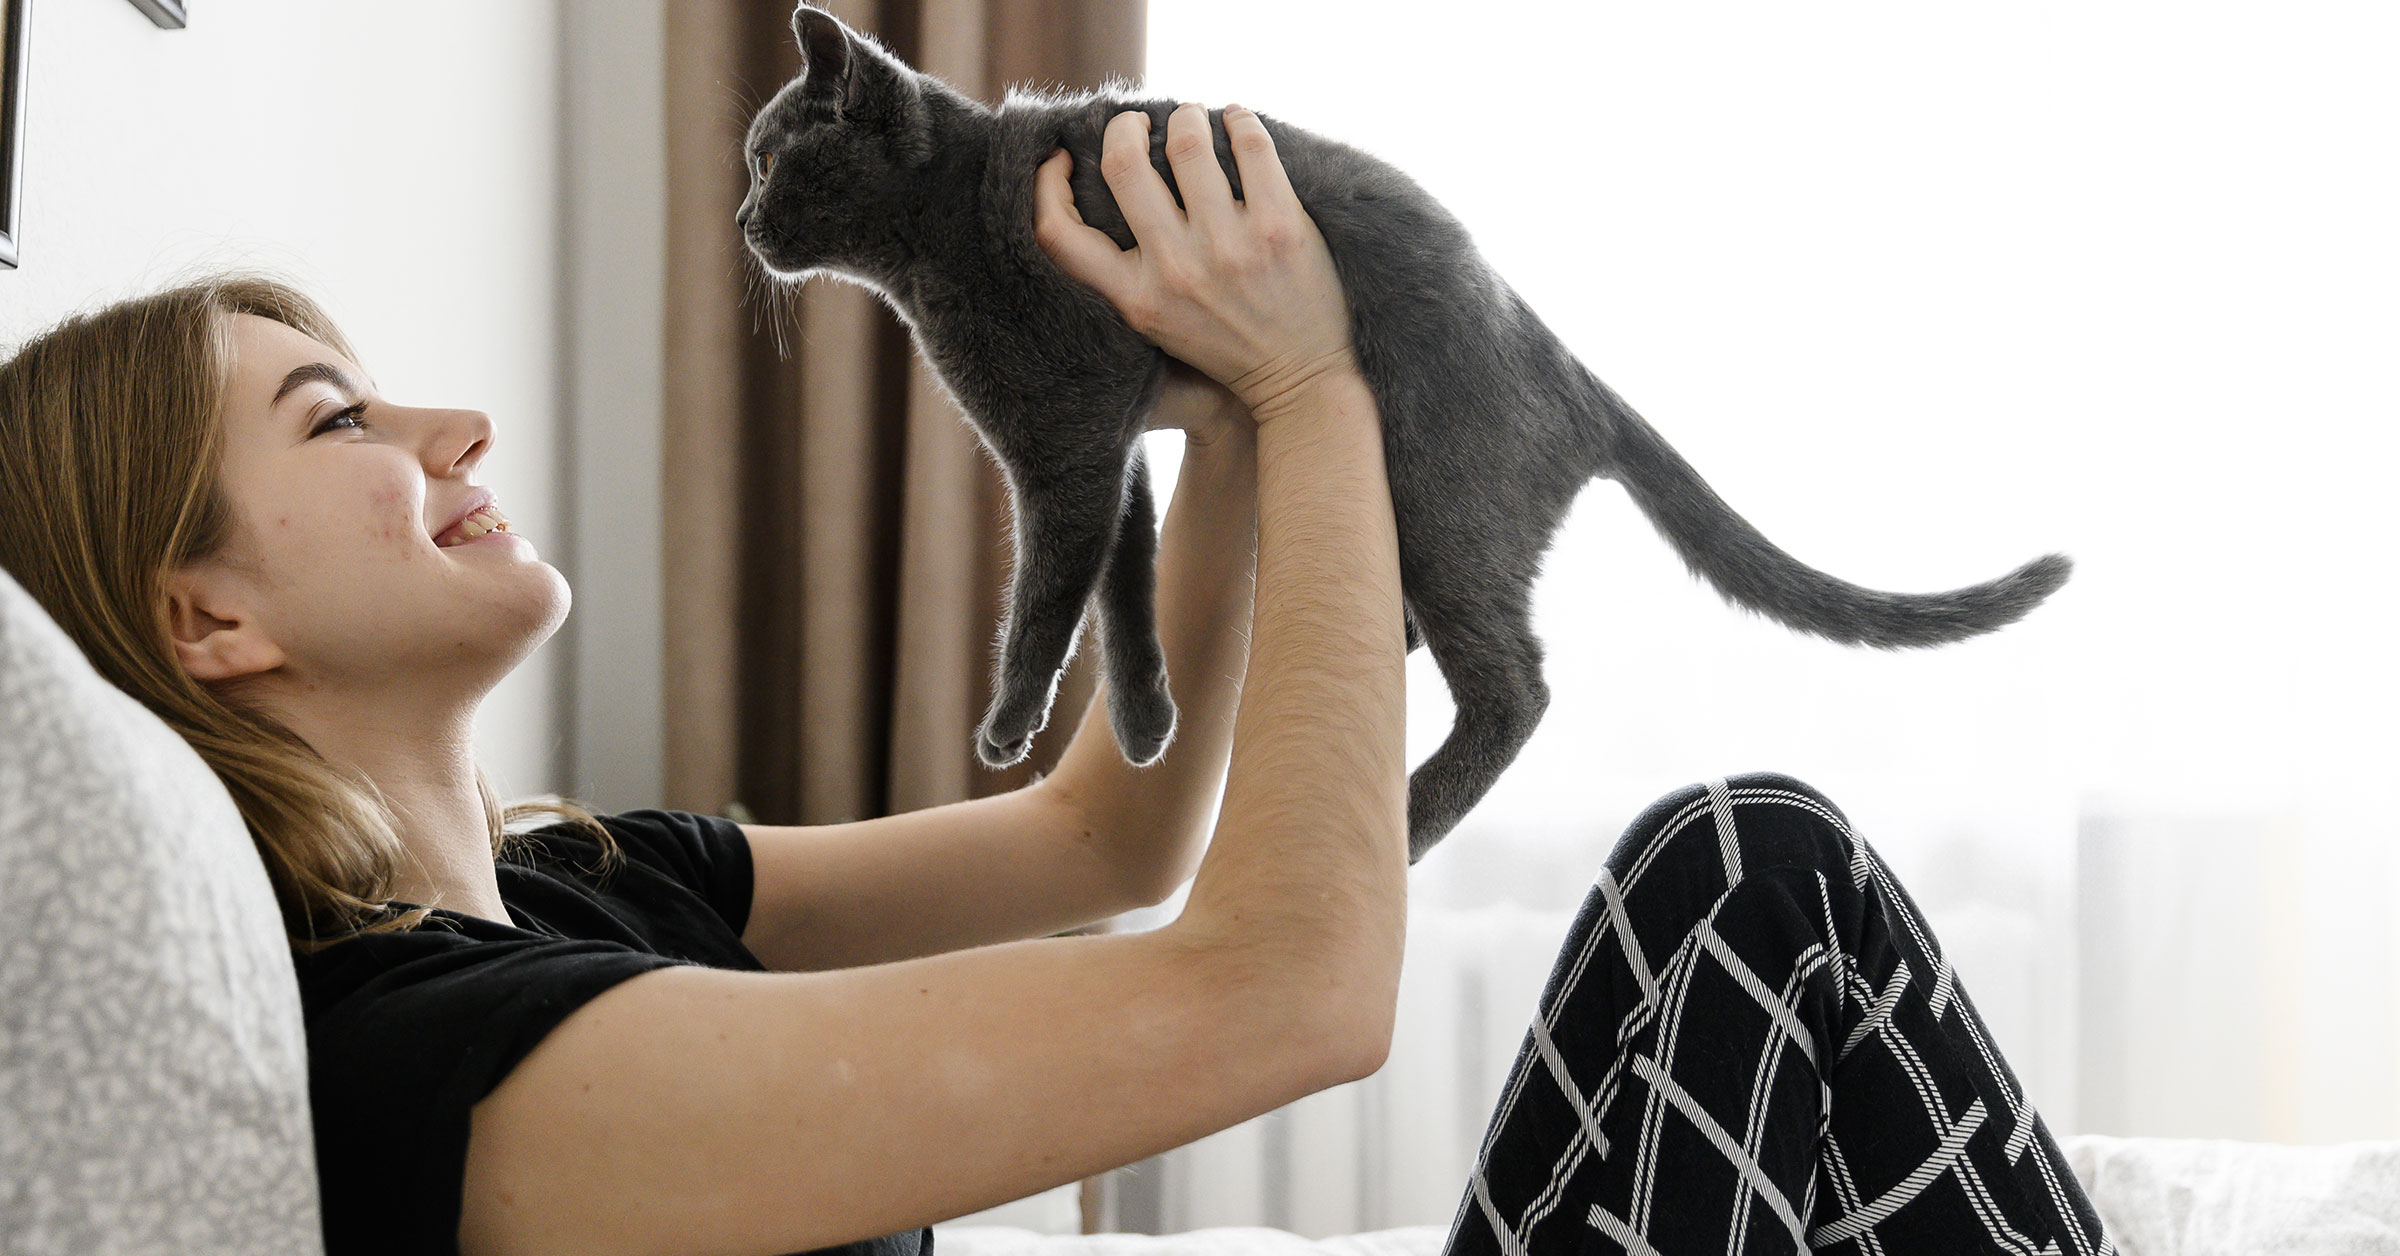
<point x="111" y="437"/>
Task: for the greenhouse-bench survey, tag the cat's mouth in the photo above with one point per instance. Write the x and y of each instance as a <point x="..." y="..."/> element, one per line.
<point x="787" y="271"/>
<point x="779" y="254"/>
<point x="766" y="245"/>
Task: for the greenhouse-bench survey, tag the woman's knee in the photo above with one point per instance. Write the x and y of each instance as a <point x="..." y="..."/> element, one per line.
<point x="1770" y="850"/>
<point x="1789" y="823"/>
<point x="1726" y="829"/>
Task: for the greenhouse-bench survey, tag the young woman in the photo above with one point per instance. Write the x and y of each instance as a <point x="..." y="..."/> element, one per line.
<point x="662" y="1031"/>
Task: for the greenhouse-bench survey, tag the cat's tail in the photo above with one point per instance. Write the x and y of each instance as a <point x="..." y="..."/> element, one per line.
<point x="1751" y="572"/>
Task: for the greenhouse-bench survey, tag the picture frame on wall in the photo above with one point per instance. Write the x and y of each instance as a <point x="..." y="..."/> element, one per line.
<point x="166" y="13"/>
<point x="12" y="126"/>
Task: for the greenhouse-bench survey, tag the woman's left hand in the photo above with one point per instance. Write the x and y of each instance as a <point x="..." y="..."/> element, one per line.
<point x="1203" y="409"/>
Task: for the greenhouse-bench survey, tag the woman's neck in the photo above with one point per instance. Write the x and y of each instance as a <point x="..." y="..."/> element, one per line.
<point x="424" y="765"/>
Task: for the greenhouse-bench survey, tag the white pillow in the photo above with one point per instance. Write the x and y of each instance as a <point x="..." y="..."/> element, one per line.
<point x="153" y="1063"/>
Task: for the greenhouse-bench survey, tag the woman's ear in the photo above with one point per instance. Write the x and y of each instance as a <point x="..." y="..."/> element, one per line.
<point x="213" y="640"/>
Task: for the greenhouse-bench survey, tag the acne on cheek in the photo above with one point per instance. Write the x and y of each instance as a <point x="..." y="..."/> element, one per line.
<point x="391" y="504"/>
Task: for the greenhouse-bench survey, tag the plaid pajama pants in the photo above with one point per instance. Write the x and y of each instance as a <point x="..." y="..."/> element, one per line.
<point x="1751" y="1043"/>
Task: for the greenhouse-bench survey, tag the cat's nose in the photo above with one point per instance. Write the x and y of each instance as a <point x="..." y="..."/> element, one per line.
<point x="741" y="217"/>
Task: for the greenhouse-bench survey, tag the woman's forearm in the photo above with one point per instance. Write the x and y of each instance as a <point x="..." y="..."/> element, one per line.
<point x="1306" y="873"/>
<point x="1155" y="819"/>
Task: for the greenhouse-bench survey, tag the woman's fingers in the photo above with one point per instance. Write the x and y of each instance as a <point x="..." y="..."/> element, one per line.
<point x="1263" y="183"/>
<point x="1246" y="294"/>
<point x="1149" y="209"/>
<point x="1082" y="251"/>
<point x="1192" y="153"/>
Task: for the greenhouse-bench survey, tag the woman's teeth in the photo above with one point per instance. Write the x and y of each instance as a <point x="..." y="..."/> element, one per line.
<point x="485" y="520"/>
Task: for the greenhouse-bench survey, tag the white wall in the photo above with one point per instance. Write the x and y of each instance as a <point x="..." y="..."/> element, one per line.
<point x="400" y="161"/>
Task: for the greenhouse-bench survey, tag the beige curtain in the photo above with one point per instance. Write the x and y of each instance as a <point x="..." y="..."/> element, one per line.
<point x="838" y="540"/>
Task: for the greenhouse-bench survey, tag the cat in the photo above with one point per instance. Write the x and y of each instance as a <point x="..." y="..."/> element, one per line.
<point x="866" y="170"/>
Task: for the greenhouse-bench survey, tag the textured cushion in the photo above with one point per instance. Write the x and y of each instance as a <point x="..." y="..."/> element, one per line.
<point x="153" y="1066"/>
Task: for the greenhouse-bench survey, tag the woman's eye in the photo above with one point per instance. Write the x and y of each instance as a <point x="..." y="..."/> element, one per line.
<point x="354" y="413"/>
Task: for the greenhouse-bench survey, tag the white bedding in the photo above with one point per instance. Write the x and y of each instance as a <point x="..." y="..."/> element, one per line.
<point x="2214" y="1197"/>
<point x="998" y="1240"/>
<point x="2157" y="1196"/>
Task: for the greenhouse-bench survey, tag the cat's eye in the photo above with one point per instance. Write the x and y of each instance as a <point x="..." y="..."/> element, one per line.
<point x="761" y="162"/>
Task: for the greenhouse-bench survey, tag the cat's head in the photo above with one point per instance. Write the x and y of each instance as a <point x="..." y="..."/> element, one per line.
<point x="831" y="155"/>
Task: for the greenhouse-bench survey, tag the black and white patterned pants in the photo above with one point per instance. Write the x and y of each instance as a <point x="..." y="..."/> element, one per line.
<point x="1751" y="1043"/>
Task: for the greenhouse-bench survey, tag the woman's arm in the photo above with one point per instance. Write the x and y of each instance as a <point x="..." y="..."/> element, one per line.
<point x="1154" y="820"/>
<point x="1095" y="837"/>
<point x="1309" y="853"/>
<point x="701" y="1109"/>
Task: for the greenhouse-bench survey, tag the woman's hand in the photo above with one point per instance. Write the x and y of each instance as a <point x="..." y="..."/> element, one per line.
<point x="1244" y="291"/>
<point x="1203" y="409"/>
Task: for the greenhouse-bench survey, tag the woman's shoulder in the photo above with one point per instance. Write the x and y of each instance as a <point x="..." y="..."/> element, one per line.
<point x="674" y="841"/>
<point x="677" y="884"/>
<point x="707" y="855"/>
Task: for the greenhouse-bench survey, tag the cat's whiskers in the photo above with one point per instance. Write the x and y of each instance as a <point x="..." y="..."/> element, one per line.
<point x="761" y="291"/>
<point x="783" y="297"/>
<point x="770" y="298"/>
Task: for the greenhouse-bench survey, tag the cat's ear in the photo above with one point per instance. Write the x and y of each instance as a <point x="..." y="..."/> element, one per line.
<point x="851" y="76"/>
<point x="829" y="59"/>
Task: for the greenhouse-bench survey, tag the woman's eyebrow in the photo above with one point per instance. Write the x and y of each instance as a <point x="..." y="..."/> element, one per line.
<point x="314" y="372"/>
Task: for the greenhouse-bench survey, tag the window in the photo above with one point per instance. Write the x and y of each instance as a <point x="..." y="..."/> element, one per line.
<point x="1924" y="293"/>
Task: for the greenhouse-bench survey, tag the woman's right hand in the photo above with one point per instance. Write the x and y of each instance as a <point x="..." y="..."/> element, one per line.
<point x="1243" y="290"/>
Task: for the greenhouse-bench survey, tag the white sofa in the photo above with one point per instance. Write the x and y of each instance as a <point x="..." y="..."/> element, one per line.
<point x="153" y="1068"/>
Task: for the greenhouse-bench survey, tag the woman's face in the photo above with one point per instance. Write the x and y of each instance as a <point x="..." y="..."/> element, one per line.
<point x="334" y="584"/>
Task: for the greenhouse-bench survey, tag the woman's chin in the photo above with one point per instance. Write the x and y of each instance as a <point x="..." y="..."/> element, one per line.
<point x="530" y="612"/>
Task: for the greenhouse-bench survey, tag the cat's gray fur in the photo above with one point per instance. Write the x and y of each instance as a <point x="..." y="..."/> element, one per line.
<point x="893" y="180"/>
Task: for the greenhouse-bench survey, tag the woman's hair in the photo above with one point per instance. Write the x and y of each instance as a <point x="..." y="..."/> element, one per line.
<point x="111" y="438"/>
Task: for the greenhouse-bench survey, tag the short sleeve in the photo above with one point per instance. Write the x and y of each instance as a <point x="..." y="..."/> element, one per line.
<point x="400" y="1053"/>
<point x="709" y="855"/>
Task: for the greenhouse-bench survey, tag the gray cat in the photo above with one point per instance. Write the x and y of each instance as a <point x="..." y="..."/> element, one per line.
<point x="867" y="170"/>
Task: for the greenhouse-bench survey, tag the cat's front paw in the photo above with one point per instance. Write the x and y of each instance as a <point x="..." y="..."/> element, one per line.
<point x="1001" y="741"/>
<point x="999" y="754"/>
<point x="1144" y="722"/>
<point x="1017" y="712"/>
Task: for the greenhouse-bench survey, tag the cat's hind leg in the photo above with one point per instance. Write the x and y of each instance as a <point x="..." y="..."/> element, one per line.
<point x="1492" y="662"/>
<point x="1140" y="710"/>
<point x="1063" y="527"/>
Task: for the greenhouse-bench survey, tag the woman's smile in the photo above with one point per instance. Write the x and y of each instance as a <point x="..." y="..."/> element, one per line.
<point x="484" y="521"/>
<point x="500" y="533"/>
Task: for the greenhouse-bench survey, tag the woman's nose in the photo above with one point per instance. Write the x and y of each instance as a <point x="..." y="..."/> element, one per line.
<point x="470" y="432"/>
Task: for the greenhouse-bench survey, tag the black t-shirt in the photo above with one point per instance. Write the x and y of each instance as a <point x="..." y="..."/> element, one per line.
<point x="408" y="1030"/>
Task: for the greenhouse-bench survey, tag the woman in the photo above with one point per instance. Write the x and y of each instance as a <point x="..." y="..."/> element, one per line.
<point x="665" y="1031"/>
